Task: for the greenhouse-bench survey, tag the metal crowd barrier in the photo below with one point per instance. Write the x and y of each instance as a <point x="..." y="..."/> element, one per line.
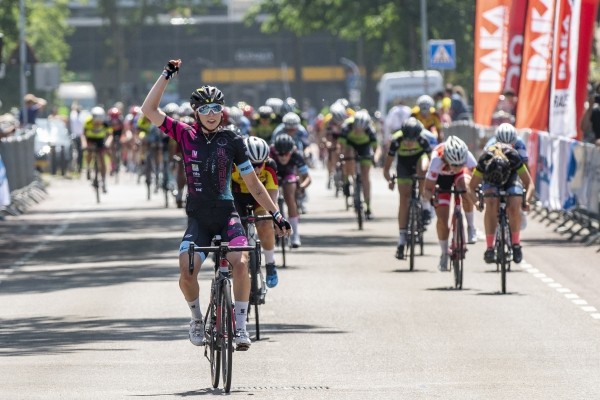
<point x="571" y="199"/>
<point x="25" y="185"/>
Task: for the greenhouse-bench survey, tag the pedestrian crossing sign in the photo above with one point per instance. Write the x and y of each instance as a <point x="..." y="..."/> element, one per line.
<point x="442" y="54"/>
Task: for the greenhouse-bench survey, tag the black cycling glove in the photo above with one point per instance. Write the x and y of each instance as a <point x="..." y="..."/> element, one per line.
<point x="170" y="70"/>
<point x="281" y="222"/>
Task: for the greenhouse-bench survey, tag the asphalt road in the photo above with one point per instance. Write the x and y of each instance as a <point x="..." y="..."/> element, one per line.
<point x="90" y="309"/>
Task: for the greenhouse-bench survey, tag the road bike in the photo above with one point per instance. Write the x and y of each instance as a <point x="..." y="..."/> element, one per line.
<point x="503" y="238"/>
<point x="415" y="227"/>
<point x="219" y="320"/>
<point x="151" y="168"/>
<point x="458" y="246"/>
<point x="357" y="192"/>
<point x="282" y="241"/>
<point x="338" y="176"/>
<point x="258" y="286"/>
<point x="96" y="174"/>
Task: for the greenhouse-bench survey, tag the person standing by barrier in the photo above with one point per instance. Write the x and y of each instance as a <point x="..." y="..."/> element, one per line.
<point x="76" y="127"/>
<point x="33" y="105"/>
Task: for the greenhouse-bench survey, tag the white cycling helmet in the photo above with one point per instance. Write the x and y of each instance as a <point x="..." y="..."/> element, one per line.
<point x="455" y="151"/>
<point x="258" y="149"/>
<point x="362" y="119"/>
<point x="291" y="120"/>
<point x="425" y="103"/>
<point x="98" y="113"/>
<point x="338" y="112"/>
<point x="235" y="115"/>
<point x="506" y="133"/>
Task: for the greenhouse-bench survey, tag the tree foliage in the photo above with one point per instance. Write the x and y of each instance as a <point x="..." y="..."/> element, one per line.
<point x="391" y="30"/>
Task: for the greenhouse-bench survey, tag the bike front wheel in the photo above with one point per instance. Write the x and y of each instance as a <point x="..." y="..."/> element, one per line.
<point x="255" y="295"/>
<point x="226" y="334"/>
<point x="458" y="256"/>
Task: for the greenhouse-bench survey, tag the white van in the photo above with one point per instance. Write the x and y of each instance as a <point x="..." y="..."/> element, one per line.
<point x="407" y="85"/>
<point x="83" y="92"/>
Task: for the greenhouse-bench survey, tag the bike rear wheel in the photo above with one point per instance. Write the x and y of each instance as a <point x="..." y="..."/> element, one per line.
<point x="226" y="334"/>
<point x="503" y="255"/>
<point x="96" y="182"/>
<point x="358" y="204"/>
<point x="412" y="234"/>
<point x="214" y="353"/>
<point x="255" y="290"/>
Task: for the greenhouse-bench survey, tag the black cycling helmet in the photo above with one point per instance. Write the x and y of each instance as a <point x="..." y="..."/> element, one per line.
<point x="206" y="95"/>
<point x="497" y="171"/>
<point x="284" y="143"/>
<point x="411" y="128"/>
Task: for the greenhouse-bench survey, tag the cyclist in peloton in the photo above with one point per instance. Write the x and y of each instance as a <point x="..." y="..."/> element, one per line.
<point x="209" y="153"/>
<point x="266" y="170"/>
<point x="450" y="164"/>
<point x="426" y="113"/>
<point x="292" y="174"/>
<point x="506" y="133"/>
<point x="96" y="131"/>
<point x="116" y="123"/>
<point x="262" y="124"/>
<point x="330" y="132"/>
<point x="358" y="136"/>
<point x="499" y="168"/>
<point x="291" y="125"/>
<point x="412" y="150"/>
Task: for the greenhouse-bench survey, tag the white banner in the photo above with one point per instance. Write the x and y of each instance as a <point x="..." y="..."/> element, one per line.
<point x="544" y="169"/>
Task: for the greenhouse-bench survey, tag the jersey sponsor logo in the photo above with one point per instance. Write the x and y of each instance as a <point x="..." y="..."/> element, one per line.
<point x="194" y="154"/>
<point x="196" y="174"/>
<point x="434" y="175"/>
<point x="222" y="141"/>
<point x="195" y="167"/>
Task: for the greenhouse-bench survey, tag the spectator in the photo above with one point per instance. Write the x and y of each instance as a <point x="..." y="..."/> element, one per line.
<point x="595" y="121"/>
<point x="76" y="127"/>
<point x="458" y="106"/>
<point x="32" y="106"/>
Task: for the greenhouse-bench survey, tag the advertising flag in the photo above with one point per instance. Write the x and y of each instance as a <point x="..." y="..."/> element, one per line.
<point x="514" y="56"/>
<point x="491" y="37"/>
<point x="534" y="88"/>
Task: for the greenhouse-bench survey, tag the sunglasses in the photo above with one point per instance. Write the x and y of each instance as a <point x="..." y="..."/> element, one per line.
<point x="258" y="166"/>
<point x="207" y="108"/>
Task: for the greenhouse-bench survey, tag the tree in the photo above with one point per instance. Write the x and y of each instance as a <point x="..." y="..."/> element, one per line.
<point x="390" y="31"/>
<point x="45" y="31"/>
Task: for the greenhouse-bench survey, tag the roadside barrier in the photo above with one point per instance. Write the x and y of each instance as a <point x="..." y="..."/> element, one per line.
<point x="24" y="183"/>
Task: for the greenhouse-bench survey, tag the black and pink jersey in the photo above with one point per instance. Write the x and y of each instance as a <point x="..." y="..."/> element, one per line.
<point x="208" y="160"/>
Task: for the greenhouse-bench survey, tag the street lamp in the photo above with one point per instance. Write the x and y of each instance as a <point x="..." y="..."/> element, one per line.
<point x="424" y="44"/>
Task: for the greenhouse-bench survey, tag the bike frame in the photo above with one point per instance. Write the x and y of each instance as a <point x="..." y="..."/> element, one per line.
<point x="414" y="231"/>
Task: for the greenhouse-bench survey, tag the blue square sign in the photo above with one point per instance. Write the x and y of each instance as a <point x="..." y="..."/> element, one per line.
<point x="442" y="54"/>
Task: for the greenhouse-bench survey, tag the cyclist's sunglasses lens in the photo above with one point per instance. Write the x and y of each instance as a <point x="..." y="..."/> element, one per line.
<point x="256" y="166"/>
<point x="456" y="165"/>
<point x="207" y="108"/>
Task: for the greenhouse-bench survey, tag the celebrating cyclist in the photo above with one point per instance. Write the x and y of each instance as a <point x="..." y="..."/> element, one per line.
<point x="411" y="150"/>
<point x="450" y="165"/>
<point x="499" y="168"/>
<point x="96" y="131"/>
<point x="266" y="170"/>
<point x="358" y="136"/>
<point x="209" y="153"/>
<point x="293" y="176"/>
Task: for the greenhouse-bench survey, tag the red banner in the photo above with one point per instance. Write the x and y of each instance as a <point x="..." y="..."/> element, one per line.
<point x="491" y="37"/>
<point x="562" y="119"/>
<point x="516" y="29"/>
<point x="589" y="9"/>
<point x="534" y="88"/>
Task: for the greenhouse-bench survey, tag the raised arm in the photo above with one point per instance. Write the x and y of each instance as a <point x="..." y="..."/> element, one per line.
<point x="150" y="108"/>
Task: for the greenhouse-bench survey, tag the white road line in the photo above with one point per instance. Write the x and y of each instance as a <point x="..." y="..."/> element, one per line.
<point x="57" y="231"/>
<point x="575" y="299"/>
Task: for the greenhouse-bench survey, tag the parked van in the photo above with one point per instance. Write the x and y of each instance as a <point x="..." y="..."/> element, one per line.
<point x="407" y="85"/>
<point x="83" y="92"/>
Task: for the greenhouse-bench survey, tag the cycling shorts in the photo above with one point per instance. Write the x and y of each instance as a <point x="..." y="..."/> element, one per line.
<point x="220" y="218"/>
<point x="513" y="186"/>
<point x="445" y="182"/>
<point x="406" y="167"/>
<point x="96" y="143"/>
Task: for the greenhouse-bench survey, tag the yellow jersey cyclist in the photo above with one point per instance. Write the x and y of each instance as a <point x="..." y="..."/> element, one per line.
<point x="266" y="170"/>
<point x="426" y="113"/>
<point x="411" y="150"/>
<point x="358" y="136"/>
<point x="501" y="167"/>
<point x="451" y="164"/>
<point x="263" y="123"/>
<point x="329" y="133"/>
<point x="96" y="131"/>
